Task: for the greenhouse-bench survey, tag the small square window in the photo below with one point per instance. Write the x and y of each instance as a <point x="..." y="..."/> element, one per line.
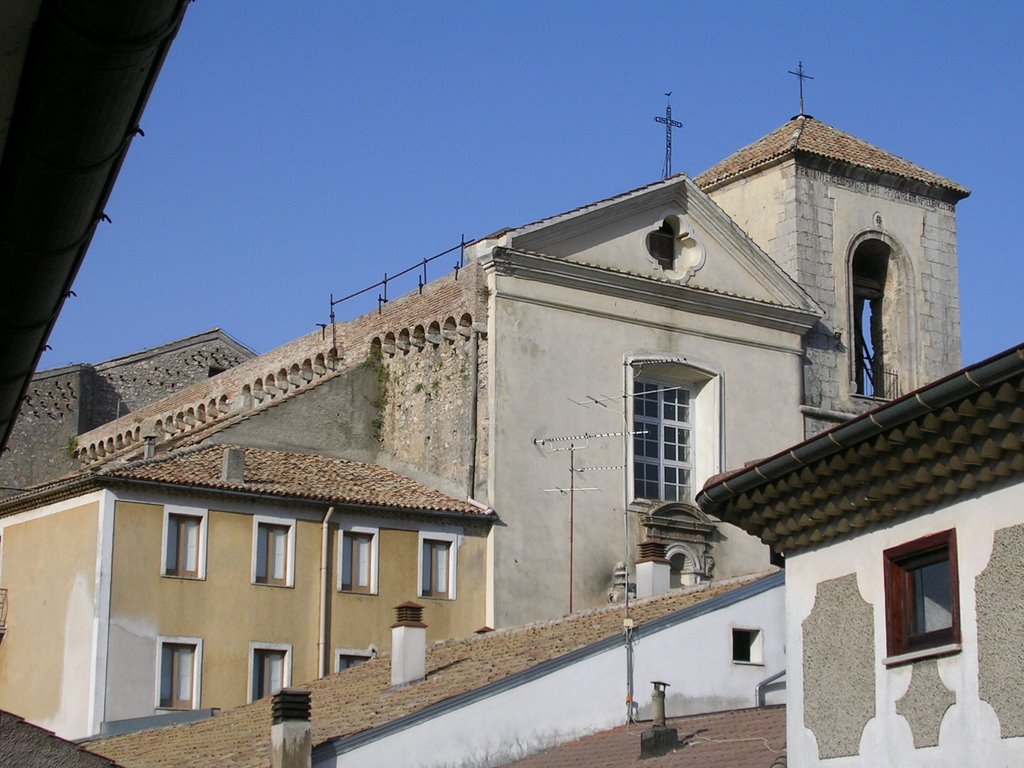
<point x="747" y="646"/>
<point x="436" y="569"/>
<point x="178" y="683"/>
<point x="922" y="602"/>
<point x="273" y="550"/>
<point x="357" y="561"/>
<point x="182" y="554"/>
<point x="270" y="671"/>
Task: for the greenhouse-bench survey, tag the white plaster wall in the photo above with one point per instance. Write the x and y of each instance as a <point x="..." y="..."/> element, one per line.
<point x="969" y="733"/>
<point x="694" y="658"/>
<point x="580" y="342"/>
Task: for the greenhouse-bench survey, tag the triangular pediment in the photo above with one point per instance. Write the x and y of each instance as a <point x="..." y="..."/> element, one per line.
<point x="710" y="252"/>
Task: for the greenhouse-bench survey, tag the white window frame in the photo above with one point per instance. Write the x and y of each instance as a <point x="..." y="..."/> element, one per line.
<point x="204" y="518"/>
<point x="366" y="653"/>
<point x="197" y="669"/>
<point x="454" y="540"/>
<point x="660" y="422"/>
<point x="286" y="672"/>
<point x="374" y="533"/>
<point x="283" y="522"/>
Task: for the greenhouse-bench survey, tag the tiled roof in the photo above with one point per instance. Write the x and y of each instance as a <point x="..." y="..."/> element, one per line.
<point x="742" y="738"/>
<point x="280" y="473"/>
<point x="24" y="745"/>
<point x="805" y="134"/>
<point x="268" y="473"/>
<point x="361" y="698"/>
<point x="947" y="439"/>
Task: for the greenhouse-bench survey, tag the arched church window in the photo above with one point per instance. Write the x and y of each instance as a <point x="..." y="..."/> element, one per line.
<point x="874" y="373"/>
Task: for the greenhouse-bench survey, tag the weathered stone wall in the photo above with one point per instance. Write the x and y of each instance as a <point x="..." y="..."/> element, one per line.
<point x="63" y="403"/>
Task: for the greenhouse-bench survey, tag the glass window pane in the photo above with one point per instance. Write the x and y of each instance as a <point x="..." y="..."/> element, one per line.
<point x="171" y="556"/>
<point x="933" y="600"/>
<point x="184" y="671"/>
<point x="280" y="539"/>
<point x="261" y="552"/>
<point x="346" y="562"/>
<point x="191" y="526"/>
<point x="166" y="675"/>
<point x="441" y="567"/>
<point x="363" y="558"/>
<point x="275" y="672"/>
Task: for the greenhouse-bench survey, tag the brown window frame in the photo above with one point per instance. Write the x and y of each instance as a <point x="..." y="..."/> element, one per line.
<point x="348" y="540"/>
<point x="900" y="563"/>
<point x="175" y="649"/>
<point x="428" y="576"/>
<point x="261" y="665"/>
<point x="263" y="531"/>
<point x="175" y="566"/>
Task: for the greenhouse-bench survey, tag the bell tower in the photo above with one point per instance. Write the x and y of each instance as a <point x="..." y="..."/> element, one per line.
<point x="871" y="237"/>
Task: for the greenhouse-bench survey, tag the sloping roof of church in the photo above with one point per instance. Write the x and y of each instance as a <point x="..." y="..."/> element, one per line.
<point x="950" y="438"/>
<point x="804" y="134"/>
<point x="359" y="704"/>
<point x="271" y="474"/>
<point x="740" y="738"/>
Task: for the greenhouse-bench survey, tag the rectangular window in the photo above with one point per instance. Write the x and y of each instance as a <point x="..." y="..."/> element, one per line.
<point x="357" y="548"/>
<point x="182" y="554"/>
<point x="178" y="683"/>
<point x="922" y="602"/>
<point x="347" y="657"/>
<point x="662" y="454"/>
<point x="747" y="647"/>
<point x="435" y="566"/>
<point x="271" y="670"/>
<point x="273" y="553"/>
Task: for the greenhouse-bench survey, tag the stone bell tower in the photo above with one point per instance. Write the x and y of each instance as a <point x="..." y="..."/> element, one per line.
<point x="871" y="237"/>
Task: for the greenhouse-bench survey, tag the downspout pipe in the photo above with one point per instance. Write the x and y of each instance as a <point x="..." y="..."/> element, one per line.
<point x="325" y="595"/>
<point x="473" y="408"/>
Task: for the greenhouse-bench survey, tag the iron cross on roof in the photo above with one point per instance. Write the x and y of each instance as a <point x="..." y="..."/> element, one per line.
<point x="801" y="76"/>
<point x="669" y="125"/>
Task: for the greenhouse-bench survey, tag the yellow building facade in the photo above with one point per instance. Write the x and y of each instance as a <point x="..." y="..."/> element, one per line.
<point x="155" y="600"/>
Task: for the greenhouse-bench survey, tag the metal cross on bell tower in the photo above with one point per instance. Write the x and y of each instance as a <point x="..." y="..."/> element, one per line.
<point x="801" y="77"/>
<point x="669" y="125"/>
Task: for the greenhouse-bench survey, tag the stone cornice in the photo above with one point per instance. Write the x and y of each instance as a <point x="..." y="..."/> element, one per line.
<point x="622" y="285"/>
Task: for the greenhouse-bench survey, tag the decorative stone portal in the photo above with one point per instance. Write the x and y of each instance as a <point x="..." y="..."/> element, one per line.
<point x="687" y="534"/>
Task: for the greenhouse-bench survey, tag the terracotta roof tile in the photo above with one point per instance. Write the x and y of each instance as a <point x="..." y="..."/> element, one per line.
<point x="805" y="134"/>
<point x="743" y="738"/>
<point x="294" y="475"/>
<point x="361" y="698"/>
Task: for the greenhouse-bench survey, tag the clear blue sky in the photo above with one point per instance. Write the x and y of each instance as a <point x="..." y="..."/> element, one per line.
<point x="293" y="149"/>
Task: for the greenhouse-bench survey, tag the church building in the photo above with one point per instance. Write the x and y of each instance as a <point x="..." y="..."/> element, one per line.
<point x="583" y="376"/>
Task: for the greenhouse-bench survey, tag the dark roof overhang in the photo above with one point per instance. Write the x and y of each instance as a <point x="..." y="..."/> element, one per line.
<point x="88" y="72"/>
<point x="928" y="447"/>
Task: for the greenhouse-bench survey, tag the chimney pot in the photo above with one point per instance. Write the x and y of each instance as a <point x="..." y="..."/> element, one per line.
<point x="291" y="733"/>
<point x="408" y="645"/>
<point x="234" y="465"/>
<point x="658" y="739"/>
<point x="653" y="571"/>
<point x="290" y="704"/>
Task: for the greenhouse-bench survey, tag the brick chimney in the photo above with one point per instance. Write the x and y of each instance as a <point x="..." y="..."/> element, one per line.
<point x="291" y="735"/>
<point x="408" y="645"/>
<point x="652" y="569"/>
<point x="234" y="466"/>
